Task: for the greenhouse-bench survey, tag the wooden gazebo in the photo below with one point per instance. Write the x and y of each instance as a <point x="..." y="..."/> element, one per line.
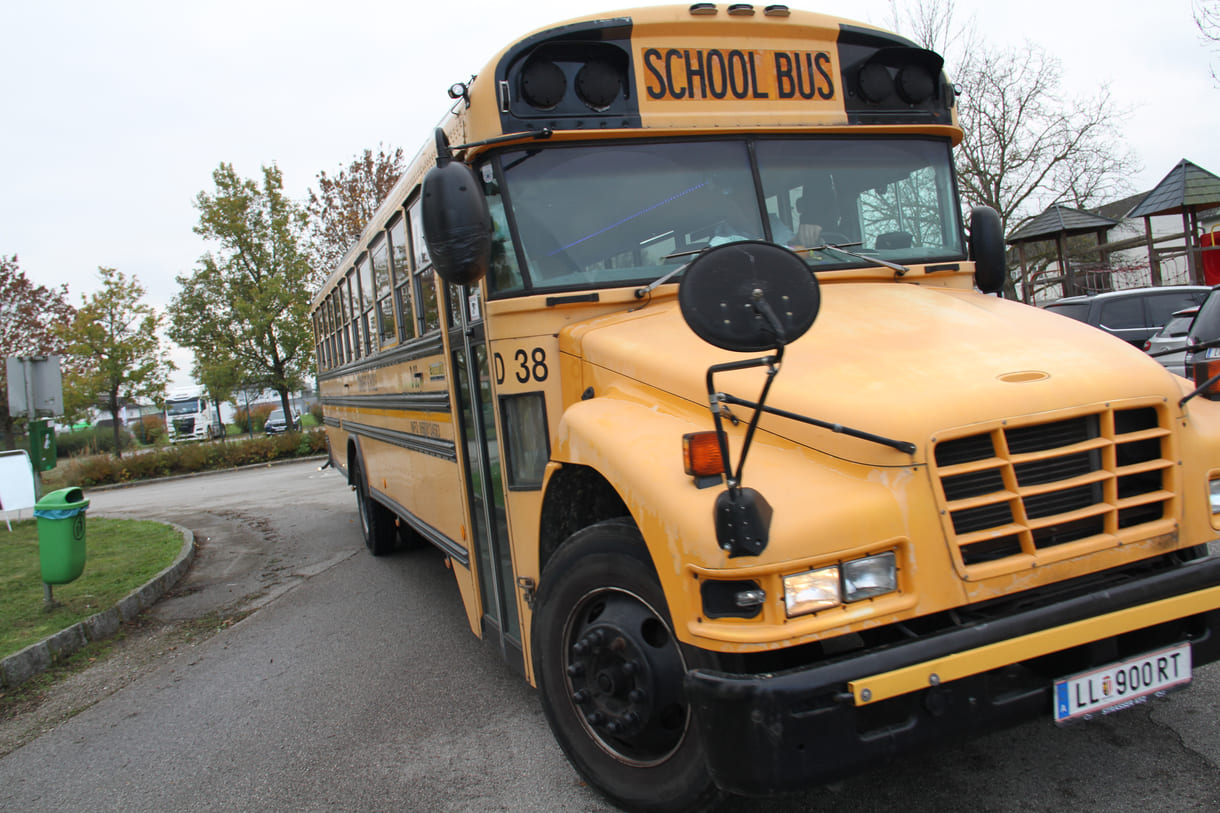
<point x="1187" y="190"/>
<point x="1057" y="224"/>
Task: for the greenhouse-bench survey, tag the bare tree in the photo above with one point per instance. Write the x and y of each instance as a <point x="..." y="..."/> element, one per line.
<point x="934" y="24"/>
<point x="1207" y="19"/>
<point x="1026" y="145"/>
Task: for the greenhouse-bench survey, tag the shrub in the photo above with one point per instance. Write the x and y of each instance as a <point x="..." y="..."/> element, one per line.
<point x="74" y="443"/>
<point x="258" y="413"/>
<point x="152" y="430"/>
<point x="185" y="458"/>
<point x="94" y="440"/>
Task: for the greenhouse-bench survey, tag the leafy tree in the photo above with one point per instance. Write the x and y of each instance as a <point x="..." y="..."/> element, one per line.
<point x="345" y="203"/>
<point x="29" y="315"/>
<point x="114" y="338"/>
<point x="246" y="306"/>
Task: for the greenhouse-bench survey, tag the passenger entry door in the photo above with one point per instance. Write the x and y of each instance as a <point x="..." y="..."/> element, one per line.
<point x="480" y="454"/>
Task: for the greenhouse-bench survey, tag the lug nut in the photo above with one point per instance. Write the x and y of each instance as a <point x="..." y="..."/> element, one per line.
<point x="637" y="695"/>
<point x="596" y="718"/>
<point x="581" y="697"/>
<point x="631" y="667"/>
<point x="576" y="669"/>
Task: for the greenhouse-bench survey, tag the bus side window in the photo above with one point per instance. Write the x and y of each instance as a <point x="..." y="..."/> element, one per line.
<point x="427" y="315"/>
<point x="367" y="304"/>
<point x="383" y="291"/>
<point x="333" y="324"/>
<point x="402" y="278"/>
<point x="352" y="295"/>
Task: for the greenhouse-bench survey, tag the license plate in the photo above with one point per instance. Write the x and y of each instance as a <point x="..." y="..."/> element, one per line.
<point x="1118" y="686"/>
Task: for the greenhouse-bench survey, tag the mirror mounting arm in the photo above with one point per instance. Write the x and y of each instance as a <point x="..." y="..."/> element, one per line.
<point x="715" y="399"/>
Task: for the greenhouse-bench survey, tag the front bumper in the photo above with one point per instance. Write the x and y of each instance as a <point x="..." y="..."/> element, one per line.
<point x="769" y="733"/>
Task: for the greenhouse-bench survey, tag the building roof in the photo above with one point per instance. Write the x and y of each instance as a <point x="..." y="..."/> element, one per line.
<point x="1058" y="220"/>
<point x="1120" y="209"/>
<point x="1187" y="186"/>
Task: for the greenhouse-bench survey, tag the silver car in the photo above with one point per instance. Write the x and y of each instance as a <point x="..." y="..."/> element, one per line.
<point x="1170" y="340"/>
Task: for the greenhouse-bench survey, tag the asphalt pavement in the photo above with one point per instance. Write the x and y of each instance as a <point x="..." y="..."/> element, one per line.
<point x="354" y="683"/>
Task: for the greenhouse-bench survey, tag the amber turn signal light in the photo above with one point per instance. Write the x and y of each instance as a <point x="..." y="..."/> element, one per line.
<point x="701" y="454"/>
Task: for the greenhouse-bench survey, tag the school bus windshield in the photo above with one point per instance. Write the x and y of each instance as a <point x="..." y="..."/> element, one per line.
<point x="614" y="214"/>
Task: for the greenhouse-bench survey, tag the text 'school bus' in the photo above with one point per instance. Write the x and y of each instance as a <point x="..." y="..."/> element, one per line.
<point x="672" y="340"/>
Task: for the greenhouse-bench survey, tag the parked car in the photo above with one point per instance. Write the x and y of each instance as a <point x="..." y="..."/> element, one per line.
<point x="1205" y="363"/>
<point x="1169" y="343"/>
<point x="276" y="424"/>
<point x="1133" y="315"/>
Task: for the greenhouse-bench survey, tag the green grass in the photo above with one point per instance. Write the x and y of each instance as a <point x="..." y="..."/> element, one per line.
<point x="120" y="556"/>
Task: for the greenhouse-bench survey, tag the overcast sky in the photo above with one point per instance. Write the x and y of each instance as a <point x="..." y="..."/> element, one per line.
<point x="114" y="114"/>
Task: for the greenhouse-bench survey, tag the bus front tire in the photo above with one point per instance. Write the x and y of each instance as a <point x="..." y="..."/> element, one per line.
<point x="376" y="521"/>
<point x="611" y="671"/>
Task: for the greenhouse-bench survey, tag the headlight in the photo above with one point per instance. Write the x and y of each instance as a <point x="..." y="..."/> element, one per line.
<point x="877" y="575"/>
<point x="1213" y="493"/>
<point x="812" y="590"/>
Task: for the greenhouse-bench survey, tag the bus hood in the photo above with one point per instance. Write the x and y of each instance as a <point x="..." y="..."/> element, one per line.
<point x="898" y="360"/>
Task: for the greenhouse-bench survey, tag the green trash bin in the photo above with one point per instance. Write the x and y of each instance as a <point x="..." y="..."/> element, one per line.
<point x="61" y="535"/>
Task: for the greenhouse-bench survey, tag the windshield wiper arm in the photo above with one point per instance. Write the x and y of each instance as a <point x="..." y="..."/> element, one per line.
<point x="640" y="293"/>
<point x="900" y="269"/>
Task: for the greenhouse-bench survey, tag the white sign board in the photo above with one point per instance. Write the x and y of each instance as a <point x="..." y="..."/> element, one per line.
<point x="16" y="482"/>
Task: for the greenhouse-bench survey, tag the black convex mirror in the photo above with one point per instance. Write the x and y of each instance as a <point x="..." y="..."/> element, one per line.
<point x="987" y="249"/>
<point x="457" y="223"/>
<point x="749" y="296"/>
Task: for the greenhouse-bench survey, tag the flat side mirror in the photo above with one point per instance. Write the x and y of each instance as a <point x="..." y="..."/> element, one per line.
<point x="749" y="296"/>
<point x="457" y="223"/>
<point x="987" y="249"/>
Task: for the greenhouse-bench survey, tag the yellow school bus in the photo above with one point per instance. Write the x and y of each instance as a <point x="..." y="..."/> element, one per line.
<point x="672" y="340"/>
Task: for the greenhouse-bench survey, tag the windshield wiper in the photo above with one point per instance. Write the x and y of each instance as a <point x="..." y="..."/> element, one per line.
<point x="840" y="248"/>
<point x="640" y="293"/>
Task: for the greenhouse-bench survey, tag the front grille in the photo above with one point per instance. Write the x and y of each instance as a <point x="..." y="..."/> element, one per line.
<point x="1015" y="492"/>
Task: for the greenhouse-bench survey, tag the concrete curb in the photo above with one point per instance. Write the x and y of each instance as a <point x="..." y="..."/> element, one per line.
<point x="36" y="658"/>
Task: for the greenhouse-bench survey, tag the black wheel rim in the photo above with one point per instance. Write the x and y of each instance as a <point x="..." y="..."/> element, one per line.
<point x="624" y="674"/>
